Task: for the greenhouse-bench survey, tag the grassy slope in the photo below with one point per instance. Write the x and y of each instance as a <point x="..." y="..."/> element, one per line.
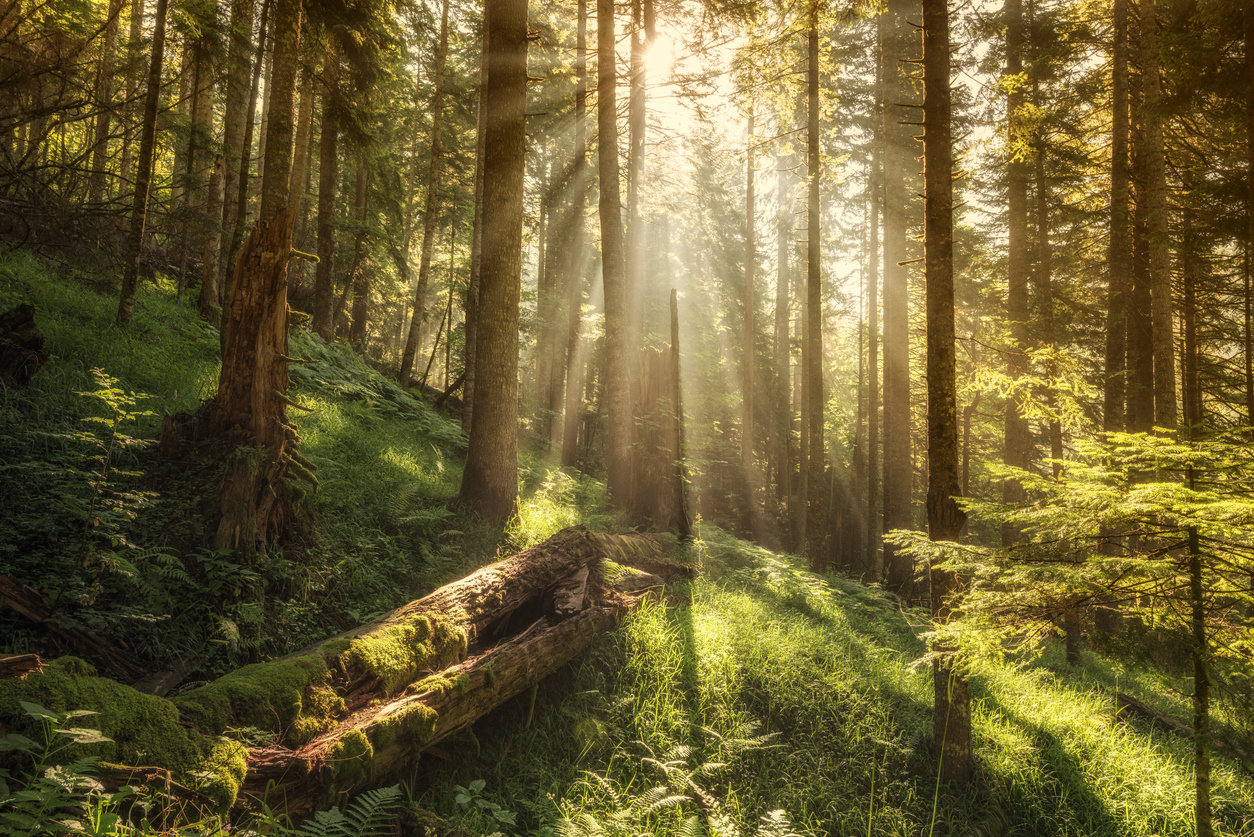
<point x="805" y="689"/>
<point x="824" y="670"/>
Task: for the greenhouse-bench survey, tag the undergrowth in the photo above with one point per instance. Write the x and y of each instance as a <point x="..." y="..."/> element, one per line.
<point x="764" y="700"/>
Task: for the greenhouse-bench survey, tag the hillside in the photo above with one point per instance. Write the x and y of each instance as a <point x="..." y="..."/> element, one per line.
<point x="756" y="699"/>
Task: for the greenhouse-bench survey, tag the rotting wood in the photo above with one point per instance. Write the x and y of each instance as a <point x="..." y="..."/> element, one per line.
<point x="65" y="632"/>
<point x="350" y="710"/>
<point x="19" y="666"/>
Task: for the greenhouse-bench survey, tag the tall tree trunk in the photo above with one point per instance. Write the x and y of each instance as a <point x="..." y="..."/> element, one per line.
<point x="1140" y="397"/>
<point x="1018" y="441"/>
<point x="359" y="274"/>
<point x="276" y="182"/>
<point x="104" y="101"/>
<point x="304" y="129"/>
<point x="637" y="126"/>
<point x="1201" y="689"/>
<point x="898" y="166"/>
<point x="1249" y="247"/>
<point x="243" y="187"/>
<point x="210" y="307"/>
<point x="574" y="355"/>
<point x="816" y="473"/>
<point x="239" y="50"/>
<point x="134" y="48"/>
<point x="1120" y="249"/>
<point x="143" y="174"/>
<point x="1158" y="224"/>
<point x="490" y="479"/>
<point x="951" y="724"/>
<point x="748" y="464"/>
<point x="430" y="210"/>
<point x="874" y="557"/>
<point x="476" y="246"/>
<point x="783" y="384"/>
<point x="258" y="501"/>
<point x="328" y="181"/>
<point x="613" y="267"/>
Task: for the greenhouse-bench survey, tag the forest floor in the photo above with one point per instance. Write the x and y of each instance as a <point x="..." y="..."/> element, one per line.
<point x="756" y="699"/>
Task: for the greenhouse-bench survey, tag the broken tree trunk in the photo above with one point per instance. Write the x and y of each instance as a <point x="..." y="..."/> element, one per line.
<point x="249" y="411"/>
<point x="364" y="704"/>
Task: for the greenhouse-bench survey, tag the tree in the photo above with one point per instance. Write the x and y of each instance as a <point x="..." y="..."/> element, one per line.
<point x="328" y="178"/>
<point x="414" y="340"/>
<point x="280" y="113"/>
<point x="579" y="186"/>
<point x="816" y="459"/>
<point x="1119" y="250"/>
<point x="951" y="724"/>
<point x="490" y="479"/>
<point x="143" y="174"/>
<point x="613" y="266"/>
<point x="899" y="570"/>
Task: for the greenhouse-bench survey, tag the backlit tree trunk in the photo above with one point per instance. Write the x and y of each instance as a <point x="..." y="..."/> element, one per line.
<point x="613" y="267"/>
<point x="874" y="557"/>
<point x="579" y="180"/>
<point x="783" y="402"/>
<point x="1120" y="250"/>
<point x="951" y="724"/>
<point x="276" y="182"/>
<point x="748" y="464"/>
<point x="490" y="479"/>
<point x="899" y="165"/>
<point x="1158" y="225"/>
<point x="239" y="53"/>
<point x="476" y="246"/>
<point x="430" y="210"/>
<point x="816" y="460"/>
<point x="1017" y="450"/>
<point x="104" y="101"/>
<point x="359" y="274"/>
<point x="328" y="180"/>
<point x="143" y="174"/>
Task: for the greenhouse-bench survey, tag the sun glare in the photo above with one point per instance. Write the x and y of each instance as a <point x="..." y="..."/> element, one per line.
<point x="659" y="58"/>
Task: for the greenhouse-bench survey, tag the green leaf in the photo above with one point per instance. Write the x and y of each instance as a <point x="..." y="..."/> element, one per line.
<point x="84" y="735"/>
<point x="14" y="741"/>
<point x="37" y="711"/>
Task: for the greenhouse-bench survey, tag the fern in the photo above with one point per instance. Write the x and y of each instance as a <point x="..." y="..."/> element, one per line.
<point x="370" y="815"/>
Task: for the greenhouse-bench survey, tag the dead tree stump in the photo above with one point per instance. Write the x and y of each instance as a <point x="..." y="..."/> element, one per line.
<point x="249" y="413"/>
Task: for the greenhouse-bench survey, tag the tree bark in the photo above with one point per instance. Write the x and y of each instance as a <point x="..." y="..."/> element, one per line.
<point x="1158" y="225"/>
<point x="951" y="725"/>
<point x="898" y="167"/>
<point x="1017" y="450"/>
<point x="414" y="340"/>
<point x="104" y="101"/>
<point x="748" y="464"/>
<point x="783" y="401"/>
<point x="874" y="557"/>
<point x="579" y="181"/>
<point x="359" y="274"/>
<point x="476" y="246"/>
<point x="328" y="181"/>
<point x="210" y="306"/>
<point x="1120" y="249"/>
<point x="490" y="478"/>
<point x="816" y="459"/>
<point x="143" y="174"/>
<point x="613" y="268"/>
<point x="133" y="49"/>
<point x="281" y="93"/>
<point x="249" y="411"/>
<point x="1140" y="396"/>
<point x="239" y="53"/>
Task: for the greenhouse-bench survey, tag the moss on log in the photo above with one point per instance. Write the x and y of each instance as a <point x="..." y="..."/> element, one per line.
<point x="363" y="704"/>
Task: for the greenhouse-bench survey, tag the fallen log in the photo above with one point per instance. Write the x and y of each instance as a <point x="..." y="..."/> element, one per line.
<point x="33" y="607"/>
<point x="19" y="666"/>
<point x="362" y="705"/>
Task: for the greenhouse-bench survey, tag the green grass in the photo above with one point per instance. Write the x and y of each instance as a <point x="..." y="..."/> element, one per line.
<point x="808" y="691"/>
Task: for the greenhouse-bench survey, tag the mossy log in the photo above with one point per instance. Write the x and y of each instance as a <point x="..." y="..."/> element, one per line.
<point x="364" y="704"/>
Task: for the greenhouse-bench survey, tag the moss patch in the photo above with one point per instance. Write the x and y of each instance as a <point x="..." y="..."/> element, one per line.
<point x="416" y="724"/>
<point x="350" y="757"/>
<point x="396" y="652"/>
<point x="223" y="771"/>
<point x="264" y="695"/>
<point x="440" y="683"/>
<point x="144" y="729"/>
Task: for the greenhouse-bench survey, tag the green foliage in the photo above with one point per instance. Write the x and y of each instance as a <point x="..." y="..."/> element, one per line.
<point x="371" y="814"/>
<point x="558" y="500"/>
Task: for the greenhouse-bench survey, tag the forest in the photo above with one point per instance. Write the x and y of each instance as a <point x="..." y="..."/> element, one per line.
<point x="676" y="417"/>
